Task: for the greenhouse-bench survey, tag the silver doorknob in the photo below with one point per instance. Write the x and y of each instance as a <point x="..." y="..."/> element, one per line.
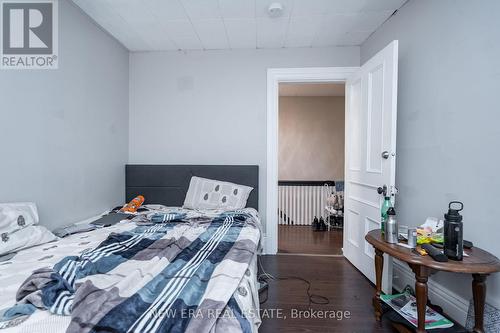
<point x="385" y="154"/>
<point x="382" y="190"/>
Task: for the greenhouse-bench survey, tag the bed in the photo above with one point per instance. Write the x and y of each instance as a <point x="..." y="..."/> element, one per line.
<point x="195" y="271"/>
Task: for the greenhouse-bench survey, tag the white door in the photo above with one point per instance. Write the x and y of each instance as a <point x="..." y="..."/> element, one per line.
<point x="371" y="96"/>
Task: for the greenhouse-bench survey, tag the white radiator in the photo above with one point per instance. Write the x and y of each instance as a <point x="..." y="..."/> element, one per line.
<point x="299" y="204"/>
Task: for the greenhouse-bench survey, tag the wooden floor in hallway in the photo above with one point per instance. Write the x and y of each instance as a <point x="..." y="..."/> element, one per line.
<point x="347" y="290"/>
<point x="303" y="240"/>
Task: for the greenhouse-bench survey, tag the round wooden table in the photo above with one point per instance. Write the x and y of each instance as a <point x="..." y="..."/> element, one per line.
<point x="479" y="263"/>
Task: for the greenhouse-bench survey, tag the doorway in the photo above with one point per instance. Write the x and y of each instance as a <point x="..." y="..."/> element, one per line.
<point x="370" y="161"/>
<point x="276" y="76"/>
<point x="311" y="168"/>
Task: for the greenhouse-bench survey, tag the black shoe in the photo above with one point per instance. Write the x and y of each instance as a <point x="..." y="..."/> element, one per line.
<point x="322" y="224"/>
<point x="315" y="224"/>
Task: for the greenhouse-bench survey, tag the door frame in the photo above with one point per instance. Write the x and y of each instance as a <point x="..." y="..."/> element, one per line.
<point x="275" y="76"/>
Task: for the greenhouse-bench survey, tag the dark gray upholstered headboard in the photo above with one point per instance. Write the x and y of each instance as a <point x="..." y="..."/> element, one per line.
<point x="168" y="184"/>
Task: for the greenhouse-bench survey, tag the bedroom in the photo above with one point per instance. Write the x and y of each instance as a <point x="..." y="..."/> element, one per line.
<point x="123" y="94"/>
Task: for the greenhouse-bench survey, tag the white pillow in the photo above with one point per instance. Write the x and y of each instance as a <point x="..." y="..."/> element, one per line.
<point x="17" y="215"/>
<point x="206" y="193"/>
<point x="24" y="238"/>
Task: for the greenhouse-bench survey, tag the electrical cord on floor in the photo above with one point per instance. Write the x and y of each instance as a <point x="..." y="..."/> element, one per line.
<point x="313" y="298"/>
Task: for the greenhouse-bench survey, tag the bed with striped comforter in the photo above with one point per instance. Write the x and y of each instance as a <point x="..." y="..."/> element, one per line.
<point x="176" y="271"/>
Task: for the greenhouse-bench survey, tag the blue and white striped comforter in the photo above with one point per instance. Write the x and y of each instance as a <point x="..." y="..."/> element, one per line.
<point x="182" y="274"/>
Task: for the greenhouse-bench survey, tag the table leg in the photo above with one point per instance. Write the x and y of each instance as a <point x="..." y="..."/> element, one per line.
<point x="379" y="266"/>
<point x="421" y="275"/>
<point x="479" y="294"/>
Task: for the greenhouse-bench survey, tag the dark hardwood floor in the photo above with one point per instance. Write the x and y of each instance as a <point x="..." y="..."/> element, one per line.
<point x="332" y="277"/>
<point x="301" y="239"/>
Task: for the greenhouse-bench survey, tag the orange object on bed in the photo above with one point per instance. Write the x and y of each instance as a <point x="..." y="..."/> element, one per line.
<point x="132" y="206"/>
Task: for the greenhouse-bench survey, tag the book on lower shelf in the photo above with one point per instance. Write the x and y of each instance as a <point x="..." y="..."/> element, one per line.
<point x="406" y="306"/>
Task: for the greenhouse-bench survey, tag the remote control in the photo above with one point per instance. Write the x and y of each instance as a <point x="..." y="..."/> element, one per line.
<point x="434" y="253"/>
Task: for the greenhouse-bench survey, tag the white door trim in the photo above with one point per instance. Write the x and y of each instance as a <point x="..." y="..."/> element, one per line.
<point x="274" y="77"/>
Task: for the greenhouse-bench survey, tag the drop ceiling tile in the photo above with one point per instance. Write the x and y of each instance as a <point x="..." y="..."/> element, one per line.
<point x="333" y="24"/>
<point x="340" y="37"/>
<point x="261" y="7"/>
<point x="302" y="31"/>
<point x="271" y="32"/>
<point x="183" y="34"/>
<point x="237" y="9"/>
<point x="180" y="28"/>
<point x="130" y="11"/>
<point x="166" y="9"/>
<point x="130" y="40"/>
<point x="386" y="5"/>
<point x="188" y="43"/>
<point x="242" y="33"/>
<point x="168" y="24"/>
<point x="143" y="23"/>
<point x="367" y="21"/>
<point x="304" y="8"/>
<point x="212" y="33"/>
<point x="107" y="17"/>
<point x="202" y="9"/>
<point x="354" y="22"/>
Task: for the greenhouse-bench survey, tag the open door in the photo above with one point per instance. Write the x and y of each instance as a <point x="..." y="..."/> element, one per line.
<point x="371" y="109"/>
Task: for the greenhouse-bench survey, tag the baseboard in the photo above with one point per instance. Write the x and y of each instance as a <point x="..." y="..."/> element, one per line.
<point x="453" y="305"/>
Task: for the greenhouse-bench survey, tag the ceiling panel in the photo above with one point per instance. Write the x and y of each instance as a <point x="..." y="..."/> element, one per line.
<point x="302" y="31"/>
<point x="212" y="33"/>
<point x="365" y="21"/>
<point x="149" y="25"/>
<point x="237" y="9"/>
<point x="328" y="7"/>
<point x="271" y="32"/>
<point x="167" y="9"/>
<point x="109" y="20"/>
<point x="390" y="5"/>
<point x="183" y="34"/>
<point x="242" y="33"/>
<point x="201" y="9"/>
<point x="146" y="26"/>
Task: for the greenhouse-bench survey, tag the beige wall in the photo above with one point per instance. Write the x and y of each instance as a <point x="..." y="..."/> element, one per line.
<point x="311" y="138"/>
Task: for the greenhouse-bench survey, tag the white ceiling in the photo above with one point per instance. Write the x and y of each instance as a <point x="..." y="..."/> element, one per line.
<point x="312" y="89"/>
<point x="151" y="25"/>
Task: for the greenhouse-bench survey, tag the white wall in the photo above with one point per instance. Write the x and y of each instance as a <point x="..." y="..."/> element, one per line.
<point x="209" y="107"/>
<point x="448" y="119"/>
<point x="64" y="132"/>
<point x="311" y="138"/>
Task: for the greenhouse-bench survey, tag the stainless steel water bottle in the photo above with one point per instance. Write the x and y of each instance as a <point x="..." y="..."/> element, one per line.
<point x="391" y="227"/>
<point x="453" y="232"/>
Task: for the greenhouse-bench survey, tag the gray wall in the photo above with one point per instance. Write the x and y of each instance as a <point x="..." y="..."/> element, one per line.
<point x="448" y="119"/>
<point x="209" y="107"/>
<point x="64" y="132"/>
<point x="311" y="138"/>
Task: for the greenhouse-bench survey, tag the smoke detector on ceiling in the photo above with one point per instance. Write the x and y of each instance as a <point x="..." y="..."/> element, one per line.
<point x="275" y="10"/>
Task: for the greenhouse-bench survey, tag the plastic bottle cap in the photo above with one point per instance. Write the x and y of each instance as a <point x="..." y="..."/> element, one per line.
<point x="391" y="211"/>
<point x="453" y="214"/>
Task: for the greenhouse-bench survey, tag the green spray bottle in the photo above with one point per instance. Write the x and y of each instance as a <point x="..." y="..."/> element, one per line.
<point x="386" y="204"/>
<point x="383" y="213"/>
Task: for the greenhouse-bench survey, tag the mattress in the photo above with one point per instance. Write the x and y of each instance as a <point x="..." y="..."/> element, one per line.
<point x="19" y="268"/>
